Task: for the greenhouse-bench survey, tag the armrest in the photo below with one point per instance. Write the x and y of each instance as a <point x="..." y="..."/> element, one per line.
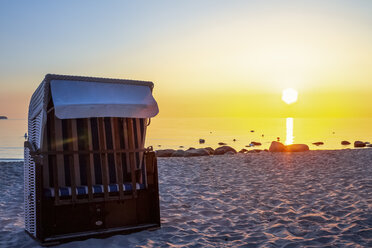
<point x="35" y="154"/>
<point x="30" y="146"/>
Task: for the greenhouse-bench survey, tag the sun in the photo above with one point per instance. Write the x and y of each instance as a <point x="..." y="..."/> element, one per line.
<point x="289" y="95"/>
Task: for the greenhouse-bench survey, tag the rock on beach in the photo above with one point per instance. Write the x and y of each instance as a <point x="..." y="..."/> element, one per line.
<point x="276" y="147"/>
<point x="210" y="150"/>
<point x="178" y="153"/>
<point x="164" y="153"/>
<point x="191" y="152"/>
<point x="297" y="148"/>
<point x="279" y="147"/>
<point x="223" y="150"/>
<point x="196" y="152"/>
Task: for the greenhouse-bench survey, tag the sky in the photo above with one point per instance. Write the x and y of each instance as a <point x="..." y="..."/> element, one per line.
<point x="206" y="58"/>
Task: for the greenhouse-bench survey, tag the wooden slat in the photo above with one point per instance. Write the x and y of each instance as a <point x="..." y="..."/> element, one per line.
<point x="91" y="159"/>
<point x="141" y="144"/>
<point x="53" y="158"/>
<point x="102" y="145"/>
<point x="132" y="157"/>
<point x="45" y="169"/>
<point x="118" y="161"/>
<point x="110" y="156"/>
<point x="75" y="147"/>
<point x="59" y="147"/>
<point x="143" y="161"/>
<point x="70" y="146"/>
<point x="126" y="144"/>
<point x="87" y="160"/>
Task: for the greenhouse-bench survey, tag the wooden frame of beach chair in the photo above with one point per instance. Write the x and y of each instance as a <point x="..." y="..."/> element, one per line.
<point x="87" y="177"/>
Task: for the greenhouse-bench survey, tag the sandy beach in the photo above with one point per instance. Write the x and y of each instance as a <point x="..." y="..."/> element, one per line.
<point x="305" y="199"/>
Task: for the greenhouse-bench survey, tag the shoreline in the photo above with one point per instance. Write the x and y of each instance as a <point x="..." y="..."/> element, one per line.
<point x="10" y="160"/>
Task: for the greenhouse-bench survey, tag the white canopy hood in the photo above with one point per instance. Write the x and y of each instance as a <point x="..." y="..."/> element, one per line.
<point x="83" y="99"/>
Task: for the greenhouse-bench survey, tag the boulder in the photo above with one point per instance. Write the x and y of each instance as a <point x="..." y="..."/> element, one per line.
<point x="243" y="150"/>
<point x="210" y="150"/>
<point x="344" y="142"/>
<point x="359" y="144"/>
<point x="319" y="143"/>
<point x="224" y="149"/>
<point x="164" y="153"/>
<point x="191" y="148"/>
<point x="276" y="147"/>
<point x="197" y="152"/>
<point x="230" y="153"/>
<point x="201" y="141"/>
<point x="222" y="144"/>
<point x="297" y="148"/>
<point x="279" y="147"/>
<point x="179" y="153"/>
<point x="369" y="145"/>
<point x="254" y="151"/>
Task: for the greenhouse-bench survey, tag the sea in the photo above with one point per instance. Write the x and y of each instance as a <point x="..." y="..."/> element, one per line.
<point x="183" y="133"/>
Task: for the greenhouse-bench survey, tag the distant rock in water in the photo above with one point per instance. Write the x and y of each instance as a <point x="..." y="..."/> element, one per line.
<point x="254" y="143"/>
<point x="3" y="117"/>
<point x="345" y="143"/>
<point x="222" y="144"/>
<point x="201" y="141"/>
<point x="279" y="147"/>
<point x="359" y="144"/>
<point x="319" y="143"/>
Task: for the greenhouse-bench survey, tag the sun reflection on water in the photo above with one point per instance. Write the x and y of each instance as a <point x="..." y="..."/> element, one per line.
<point x="289" y="136"/>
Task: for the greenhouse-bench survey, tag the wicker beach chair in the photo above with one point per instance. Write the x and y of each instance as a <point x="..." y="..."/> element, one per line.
<point x="87" y="172"/>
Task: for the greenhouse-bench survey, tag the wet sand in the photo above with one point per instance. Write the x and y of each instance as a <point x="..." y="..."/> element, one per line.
<point x="306" y="199"/>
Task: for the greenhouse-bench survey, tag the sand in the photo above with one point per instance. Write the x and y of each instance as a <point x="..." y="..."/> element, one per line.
<point x="309" y="199"/>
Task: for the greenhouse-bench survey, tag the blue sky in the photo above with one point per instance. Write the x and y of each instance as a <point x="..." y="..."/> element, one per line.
<point x="178" y="44"/>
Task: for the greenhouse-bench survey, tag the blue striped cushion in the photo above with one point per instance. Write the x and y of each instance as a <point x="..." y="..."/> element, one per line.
<point x="97" y="189"/>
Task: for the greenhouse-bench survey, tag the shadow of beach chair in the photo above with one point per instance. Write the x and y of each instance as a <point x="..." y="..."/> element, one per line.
<point x="87" y="172"/>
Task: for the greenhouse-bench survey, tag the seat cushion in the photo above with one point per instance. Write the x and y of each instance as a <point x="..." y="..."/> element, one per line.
<point x="97" y="189"/>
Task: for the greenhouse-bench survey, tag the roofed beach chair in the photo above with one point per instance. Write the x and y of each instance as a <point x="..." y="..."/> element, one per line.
<point x="87" y="171"/>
